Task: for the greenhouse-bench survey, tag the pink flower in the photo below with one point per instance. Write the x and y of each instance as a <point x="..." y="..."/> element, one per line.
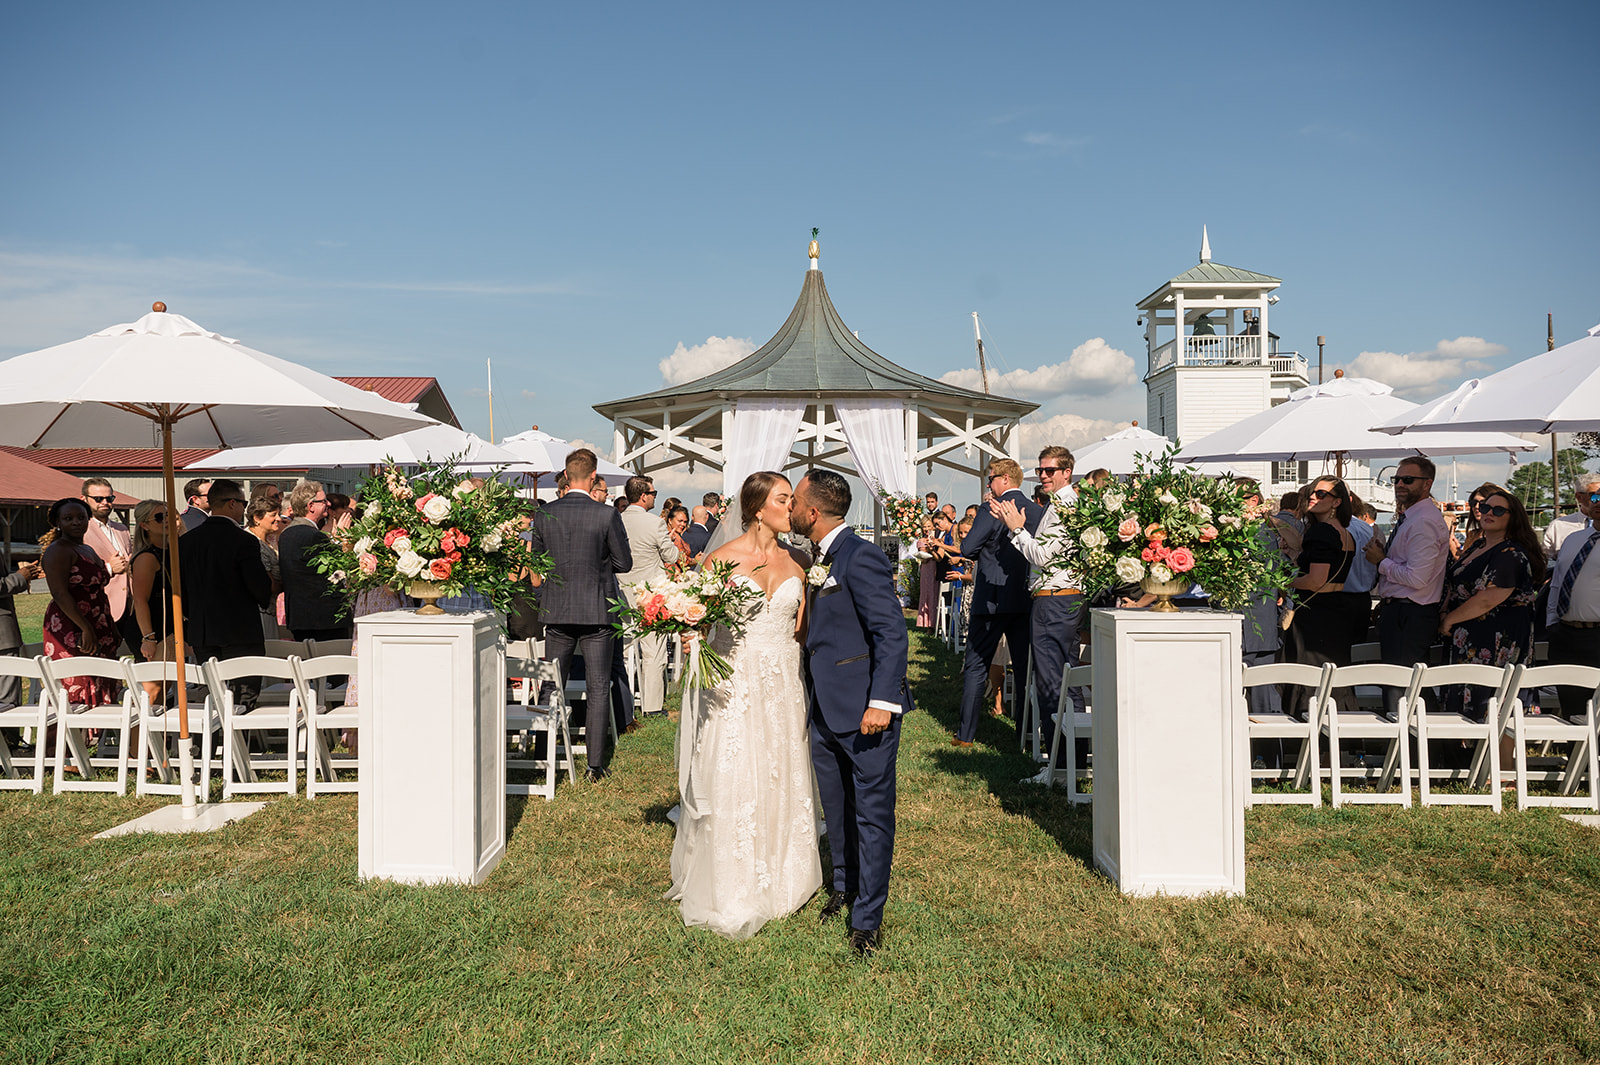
<point x="695" y="613"/>
<point x="462" y="539"/>
<point x="391" y="536"/>
<point x="1128" y="529"/>
<point x="368" y="563"/>
<point x="447" y="543"/>
<point x="1181" y="560"/>
<point x="1155" y="531"/>
<point x="440" y="569"/>
<point x="1209" y="533"/>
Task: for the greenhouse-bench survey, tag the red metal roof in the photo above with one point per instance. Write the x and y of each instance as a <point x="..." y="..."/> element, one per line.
<point x="397" y="389"/>
<point x="28" y="483"/>
<point x="132" y="459"/>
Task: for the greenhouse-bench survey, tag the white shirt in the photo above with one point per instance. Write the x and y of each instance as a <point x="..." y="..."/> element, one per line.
<point x="1041" y="546"/>
<point x="1585" y="604"/>
<point x="825" y="545"/>
<point x="1363" y="574"/>
<point x="1557" y="532"/>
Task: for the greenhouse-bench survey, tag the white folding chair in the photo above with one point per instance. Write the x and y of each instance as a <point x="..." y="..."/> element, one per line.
<point x="1306" y="777"/>
<point x="1361" y="725"/>
<point x="321" y="648"/>
<point x="322" y="717"/>
<point x="1032" y="725"/>
<point x="36" y="710"/>
<point x="241" y="769"/>
<point x="1444" y="725"/>
<point x="1071" y="726"/>
<point x="1552" y="728"/>
<point x="528" y="718"/>
<point x="277" y="693"/>
<point x="73" y="719"/>
<point x="286" y="649"/>
<point x="158" y="723"/>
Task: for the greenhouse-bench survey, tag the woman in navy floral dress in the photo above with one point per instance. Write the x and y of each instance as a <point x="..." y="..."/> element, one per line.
<point x="1489" y="594"/>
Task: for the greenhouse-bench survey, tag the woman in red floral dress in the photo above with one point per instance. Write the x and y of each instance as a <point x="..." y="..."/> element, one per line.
<point x="78" y="621"/>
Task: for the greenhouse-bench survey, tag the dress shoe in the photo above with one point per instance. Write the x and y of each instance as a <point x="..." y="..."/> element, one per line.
<point x="633" y="726"/>
<point x="837" y="900"/>
<point x="864" y="942"/>
<point x="955" y="742"/>
<point x="596" y="774"/>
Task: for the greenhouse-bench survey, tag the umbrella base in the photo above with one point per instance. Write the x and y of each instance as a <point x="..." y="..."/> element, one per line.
<point x="209" y="816"/>
<point x="1592" y="820"/>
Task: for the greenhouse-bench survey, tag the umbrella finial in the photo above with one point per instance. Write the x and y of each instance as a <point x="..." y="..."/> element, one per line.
<point x="159" y="307"/>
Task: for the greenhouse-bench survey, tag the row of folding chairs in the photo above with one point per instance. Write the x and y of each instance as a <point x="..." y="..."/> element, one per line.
<point x="310" y="710"/>
<point x="539" y="718"/>
<point x="1413" y="726"/>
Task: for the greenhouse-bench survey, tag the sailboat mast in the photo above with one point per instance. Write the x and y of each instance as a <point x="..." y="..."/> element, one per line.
<point x="983" y="364"/>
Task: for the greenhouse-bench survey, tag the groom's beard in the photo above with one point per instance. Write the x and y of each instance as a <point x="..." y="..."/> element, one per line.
<point x="798" y="523"/>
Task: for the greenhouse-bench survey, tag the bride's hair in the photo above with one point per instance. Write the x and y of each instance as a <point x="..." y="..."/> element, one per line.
<point x="755" y="492"/>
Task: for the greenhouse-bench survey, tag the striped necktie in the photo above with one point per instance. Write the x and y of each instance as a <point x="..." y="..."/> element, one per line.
<point x="1564" y="601"/>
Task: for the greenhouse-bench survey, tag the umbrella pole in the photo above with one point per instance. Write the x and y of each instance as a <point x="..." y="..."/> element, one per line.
<point x="175" y="582"/>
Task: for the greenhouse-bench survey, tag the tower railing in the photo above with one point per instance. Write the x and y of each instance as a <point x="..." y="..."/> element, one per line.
<point x="1210" y="350"/>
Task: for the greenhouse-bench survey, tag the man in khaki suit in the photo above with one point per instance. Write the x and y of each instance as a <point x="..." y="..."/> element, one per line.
<point x="653" y="550"/>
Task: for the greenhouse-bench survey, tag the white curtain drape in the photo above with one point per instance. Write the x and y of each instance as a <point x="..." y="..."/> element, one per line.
<point x="763" y="432"/>
<point x="875" y="433"/>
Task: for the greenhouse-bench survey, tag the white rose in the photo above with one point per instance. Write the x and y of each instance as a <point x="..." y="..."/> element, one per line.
<point x="401" y="545"/>
<point x="490" y="541"/>
<point x="374" y="509"/>
<point x="410" y="563"/>
<point x="1113" y="501"/>
<point x="1158" y="572"/>
<point x="363" y="545"/>
<point x="1129" y="570"/>
<point x="1168" y="498"/>
<point x="436" y="509"/>
<point x="1092" y="537"/>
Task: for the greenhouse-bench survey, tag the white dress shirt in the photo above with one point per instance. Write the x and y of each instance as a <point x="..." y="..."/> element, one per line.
<point x="1041" y="546"/>
<point x="1558" y="531"/>
<point x="1585" y="604"/>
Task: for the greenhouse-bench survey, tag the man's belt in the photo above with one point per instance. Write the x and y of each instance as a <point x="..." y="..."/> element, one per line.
<point x="1057" y="591"/>
<point x="1581" y="624"/>
<point x="1403" y="599"/>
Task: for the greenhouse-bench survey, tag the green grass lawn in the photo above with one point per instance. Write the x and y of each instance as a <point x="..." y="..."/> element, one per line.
<point x="1368" y="935"/>
<point x="30" y="616"/>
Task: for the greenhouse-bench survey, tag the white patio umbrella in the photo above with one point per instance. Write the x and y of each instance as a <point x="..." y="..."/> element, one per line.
<point x="1557" y="392"/>
<point x="1120" y="452"/>
<point x="549" y="454"/>
<point x="164" y="380"/>
<point x="433" y="443"/>
<point x="1335" y="420"/>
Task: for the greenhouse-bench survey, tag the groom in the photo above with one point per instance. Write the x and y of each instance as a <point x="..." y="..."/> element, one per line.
<point x="856" y="659"/>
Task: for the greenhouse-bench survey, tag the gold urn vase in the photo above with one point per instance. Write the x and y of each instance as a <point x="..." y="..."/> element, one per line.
<point x="1164" y="591"/>
<point x="430" y="592"/>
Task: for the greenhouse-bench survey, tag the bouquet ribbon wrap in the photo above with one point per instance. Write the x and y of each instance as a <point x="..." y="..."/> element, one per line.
<point x="688" y="735"/>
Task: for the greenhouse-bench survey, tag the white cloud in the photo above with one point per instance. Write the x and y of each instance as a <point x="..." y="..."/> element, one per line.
<point x="1054" y="142"/>
<point x="1425" y="371"/>
<point x="689" y="364"/>
<point x="1094" y="368"/>
<point x="1070" y="430"/>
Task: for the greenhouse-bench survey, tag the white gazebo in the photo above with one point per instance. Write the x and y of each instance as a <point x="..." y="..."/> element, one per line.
<point x="815" y="396"/>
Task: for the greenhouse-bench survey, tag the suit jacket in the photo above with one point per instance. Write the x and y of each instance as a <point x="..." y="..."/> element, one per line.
<point x="856" y="641"/>
<point x="697" y="537"/>
<point x="224" y="584"/>
<point x="191" y="519"/>
<point x="650" y="544"/>
<point x="1001" y="585"/>
<point x="589" y="547"/>
<point x="13" y="583"/>
<point x="310" y="600"/>
<point x="110" y="540"/>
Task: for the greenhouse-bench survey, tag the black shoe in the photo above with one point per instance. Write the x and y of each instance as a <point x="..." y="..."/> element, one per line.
<point x="864" y="942"/>
<point x="596" y="774"/>
<point x="837" y="900"/>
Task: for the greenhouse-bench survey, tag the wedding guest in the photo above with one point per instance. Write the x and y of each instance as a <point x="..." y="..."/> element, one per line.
<point x="1263" y="634"/>
<point x="110" y="540"/>
<point x="1097" y="478"/>
<point x="949" y="511"/>
<point x="312" y="606"/>
<point x="1324" y="613"/>
<point x="1410" y="574"/>
<point x="12" y="584"/>
<point x="1587" y="489"/>
<point x="1473" y="531"/>
<point x="1363" y="573"/>
<point x="713" y="503"/>
<point x="225" y="586"/>
<point x="339" y="514"/>
<point x="269" y="491"/>
<point x="927" y="578"/>
<point x="677" y="524"/>
<point x="698" y="534"/>
<point x="588" y="545"/>
<point x="931" y="501"/>
<point x="972" y="511"/>
<point x="961" y="581"/>
<point x="598" y="492"/>
<point x="1000" y="603"/>
<point x="621" y="685"/>
<point x="668" y="505"/>
<point x="150" y="591"/>
<point x="652" y="551"/>
<point x="263" y="522"/>
<point x="78" y="621"/>
<point x="198" y="509"/>
<point x="1572" y="611"/>
<point x="1488" y="598"/>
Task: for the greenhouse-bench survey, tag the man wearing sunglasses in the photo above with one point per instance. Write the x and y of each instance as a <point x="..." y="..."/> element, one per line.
<point x="1410" y="573"/>
<point x="1587" y="489"/>
<point x="1572" y="611"/>
<point x="110" y="539"/>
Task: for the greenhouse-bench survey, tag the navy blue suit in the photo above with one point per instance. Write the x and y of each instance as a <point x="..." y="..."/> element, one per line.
<point x="697" y="537"/>
<point x="856" y="647"/>
<point x="1000" y="604"/>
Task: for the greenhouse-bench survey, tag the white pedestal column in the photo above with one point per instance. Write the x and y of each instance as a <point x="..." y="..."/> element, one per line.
<point x="1170" y="750"/>
<point x="433" y="747"/>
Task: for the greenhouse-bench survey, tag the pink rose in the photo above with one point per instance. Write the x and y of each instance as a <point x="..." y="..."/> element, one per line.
<point x="1128" y="529"/>
<point x="1181" y="560"/>
<point x="368" y="563"/>
<point x="462" y="539"/>
<point x="391" y="536"/>
<point x="1209" y="533"/>
<point x="1149" y="554"/>
<point x="447" y="543"/>
<point x="439" y="568"/>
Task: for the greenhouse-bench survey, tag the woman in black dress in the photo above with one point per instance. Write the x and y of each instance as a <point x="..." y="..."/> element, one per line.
<point x="1324" y="613"/>
<point x="1489" y="594"/>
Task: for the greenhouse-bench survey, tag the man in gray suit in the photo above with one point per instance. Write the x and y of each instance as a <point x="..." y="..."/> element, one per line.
<point x="10" y="633"/>
<point x="653" y="550"/>
<point x="588" y="547"/>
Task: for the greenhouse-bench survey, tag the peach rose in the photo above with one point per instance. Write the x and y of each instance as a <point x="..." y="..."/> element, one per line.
<point x="1128" y="529"/>
<point x="1209" y="533"/>
<point x="368" y="563"/>
<point x="440" y="568"/>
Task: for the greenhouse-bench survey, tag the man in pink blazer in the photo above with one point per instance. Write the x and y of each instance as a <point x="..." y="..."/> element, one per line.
<point x="111" y="540"/>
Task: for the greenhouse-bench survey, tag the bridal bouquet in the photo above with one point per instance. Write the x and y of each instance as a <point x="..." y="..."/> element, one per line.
<point x="439" y="526"/>
<point x="691" y="603"/>
<point x="1169" y="524"/>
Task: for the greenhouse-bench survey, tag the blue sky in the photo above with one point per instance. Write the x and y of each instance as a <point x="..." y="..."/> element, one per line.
<point x="577" y="190"/>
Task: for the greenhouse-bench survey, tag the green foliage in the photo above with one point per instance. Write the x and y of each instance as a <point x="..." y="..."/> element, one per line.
<point x="1531" y="482"/>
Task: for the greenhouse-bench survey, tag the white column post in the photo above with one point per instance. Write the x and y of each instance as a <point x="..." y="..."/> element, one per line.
<point x="619" y="441"/>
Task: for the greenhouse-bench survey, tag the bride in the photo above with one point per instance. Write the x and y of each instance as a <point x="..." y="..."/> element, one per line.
<point x="746" y="849"/>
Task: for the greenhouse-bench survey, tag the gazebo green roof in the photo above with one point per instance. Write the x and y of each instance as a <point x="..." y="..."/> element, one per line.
<point x="817" y="355"/>
<point x="1207" y="272"/>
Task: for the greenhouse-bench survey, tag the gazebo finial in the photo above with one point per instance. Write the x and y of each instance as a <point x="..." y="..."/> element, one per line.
<point x="1205" y="245"/>
<point x="812" y="252"/>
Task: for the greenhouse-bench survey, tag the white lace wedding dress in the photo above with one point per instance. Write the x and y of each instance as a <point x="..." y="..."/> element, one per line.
<point x="746" y="849"/>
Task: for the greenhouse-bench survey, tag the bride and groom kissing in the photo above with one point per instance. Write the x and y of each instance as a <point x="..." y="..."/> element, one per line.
<point x="811" y="712"/>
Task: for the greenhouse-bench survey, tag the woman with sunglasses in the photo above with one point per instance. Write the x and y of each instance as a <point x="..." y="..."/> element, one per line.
<point x="1488" y="597"/>
<point x="152" y="605"/>
<point x="1473" y="530"/>
<point x="1325" y="614"/>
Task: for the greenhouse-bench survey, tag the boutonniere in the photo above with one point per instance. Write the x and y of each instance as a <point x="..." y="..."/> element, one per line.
<point x="817" y="574"/>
